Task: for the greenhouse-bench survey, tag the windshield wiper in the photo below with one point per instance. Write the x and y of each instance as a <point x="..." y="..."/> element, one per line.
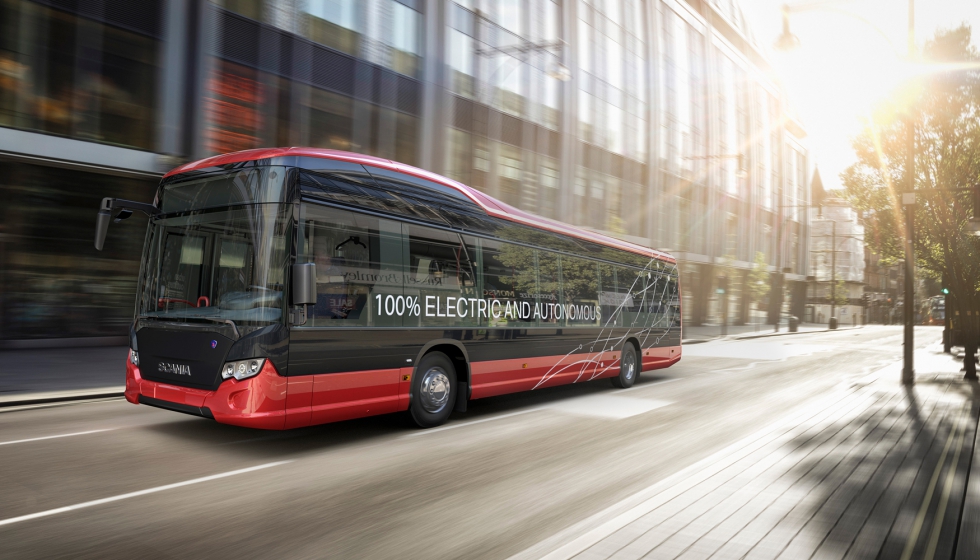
<point x="189" y="319"/>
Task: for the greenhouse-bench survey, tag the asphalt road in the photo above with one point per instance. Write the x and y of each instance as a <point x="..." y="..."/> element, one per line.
<point x="125" y="480"/>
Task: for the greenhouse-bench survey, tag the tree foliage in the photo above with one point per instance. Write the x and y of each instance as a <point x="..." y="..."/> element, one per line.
<point x="758" y="278"/>
<point x="944" y="105"/>
<point x="839" y="295"/>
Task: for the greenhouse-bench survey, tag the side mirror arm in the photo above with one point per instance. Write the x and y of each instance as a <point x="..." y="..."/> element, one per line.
<point x="126" y="210"/>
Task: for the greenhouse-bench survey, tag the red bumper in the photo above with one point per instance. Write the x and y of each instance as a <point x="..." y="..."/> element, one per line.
<point x="257" y="402"/>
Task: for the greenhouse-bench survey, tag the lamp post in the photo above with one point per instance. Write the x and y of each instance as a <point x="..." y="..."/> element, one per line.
<point x="787" y="41"/>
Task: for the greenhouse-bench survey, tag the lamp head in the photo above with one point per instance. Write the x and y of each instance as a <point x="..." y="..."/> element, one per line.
<point x="787" y="41"/>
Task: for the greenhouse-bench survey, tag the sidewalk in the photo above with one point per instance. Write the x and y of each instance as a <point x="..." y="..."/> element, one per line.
<point x="876" y="470"/>
<point x="59" y="373"/>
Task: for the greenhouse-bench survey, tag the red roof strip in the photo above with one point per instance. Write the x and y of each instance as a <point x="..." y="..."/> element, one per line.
<point x="491" y="205"/>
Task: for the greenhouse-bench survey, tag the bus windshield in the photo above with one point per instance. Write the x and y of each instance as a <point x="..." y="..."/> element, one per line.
<point x="217" y="264"/>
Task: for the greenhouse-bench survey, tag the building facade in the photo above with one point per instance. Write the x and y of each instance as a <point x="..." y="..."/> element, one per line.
<point x="651" y="120"/>
<point x="837" y="259"/>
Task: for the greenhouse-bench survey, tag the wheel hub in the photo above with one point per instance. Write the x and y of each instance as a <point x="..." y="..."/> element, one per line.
<point x="434" y="390"/>
<point x="629" y="365"/>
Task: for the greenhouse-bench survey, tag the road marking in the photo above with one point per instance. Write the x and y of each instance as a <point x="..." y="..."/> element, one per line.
<point x="610" y="407"/>
<point x="17" y="408"/>
<point x="480" y="421"/>
<point x="657" y="383"/>
<point x="56" y="511"/>
<point x="570" y="405"/>
<point x="55" y="437"/>
<point x="577" y="538"/>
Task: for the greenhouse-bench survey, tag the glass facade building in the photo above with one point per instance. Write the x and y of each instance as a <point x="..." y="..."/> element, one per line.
<point x="651" y="120"/>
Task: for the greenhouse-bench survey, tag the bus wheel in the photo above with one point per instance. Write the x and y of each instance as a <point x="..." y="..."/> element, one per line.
<point x="628" y="368"/>
<point x="433" y="390"/>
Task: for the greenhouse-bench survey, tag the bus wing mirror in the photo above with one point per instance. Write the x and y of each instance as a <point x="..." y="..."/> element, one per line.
<point x="304" y="284"/>
<point x="126" y="210"/>
<point x="101" y="227"/>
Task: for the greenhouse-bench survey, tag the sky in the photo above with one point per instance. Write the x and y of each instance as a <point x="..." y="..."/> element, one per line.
<point x="851" y="55"/>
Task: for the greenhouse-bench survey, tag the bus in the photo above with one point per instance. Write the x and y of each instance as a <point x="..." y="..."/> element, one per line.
<point x="288" y="287"/>
<point x="934" y="311"/>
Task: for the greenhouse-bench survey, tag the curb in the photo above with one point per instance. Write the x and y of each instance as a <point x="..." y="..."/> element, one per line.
<point x="48" y="398"/>
<point x="763" y="335"/>
<point x="747" y="337"/>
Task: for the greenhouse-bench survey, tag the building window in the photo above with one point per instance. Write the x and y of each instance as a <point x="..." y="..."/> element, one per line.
<point x="333" y="23"/>
<point x="486" y="67"/>
<point x="72" y="76"/>
<point x="385" y="32"/>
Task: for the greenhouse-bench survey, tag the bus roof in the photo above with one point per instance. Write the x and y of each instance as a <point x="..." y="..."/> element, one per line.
<point x="490" y="205"/>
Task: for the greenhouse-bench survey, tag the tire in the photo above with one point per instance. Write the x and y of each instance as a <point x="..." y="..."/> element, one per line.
<point x="433" y="390"/>
<point x="629" y="368"/>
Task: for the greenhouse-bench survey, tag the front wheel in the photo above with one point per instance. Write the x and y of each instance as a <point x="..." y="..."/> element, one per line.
<point x="433" y="390"/>
<point x="628" y="368"/>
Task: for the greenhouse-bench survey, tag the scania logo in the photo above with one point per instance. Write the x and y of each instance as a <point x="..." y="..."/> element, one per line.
<point x="173" y="369"/>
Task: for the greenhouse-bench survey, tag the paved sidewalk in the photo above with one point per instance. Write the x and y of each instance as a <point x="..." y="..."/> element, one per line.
<point x="875" y="470"/>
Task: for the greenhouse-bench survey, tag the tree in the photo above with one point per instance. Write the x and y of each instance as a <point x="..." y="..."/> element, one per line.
<point x="840" y="293"/>
<point x="944" y="105"/>
<point x="758" y="279"/>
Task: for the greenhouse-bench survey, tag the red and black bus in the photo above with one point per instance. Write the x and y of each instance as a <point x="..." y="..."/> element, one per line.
<point x="287" y="287"/>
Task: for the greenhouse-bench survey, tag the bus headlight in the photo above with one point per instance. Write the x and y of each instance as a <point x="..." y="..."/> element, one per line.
<point x="134" y="357"/>
<point x="242" y="369"/>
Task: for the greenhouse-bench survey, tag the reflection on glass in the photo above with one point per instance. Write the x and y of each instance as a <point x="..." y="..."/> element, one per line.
<point x="218" y="251"/>
<point x="52" y="281"/>
<point x="71" y="76"/>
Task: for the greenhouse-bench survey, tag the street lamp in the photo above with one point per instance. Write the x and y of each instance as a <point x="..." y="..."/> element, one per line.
<point x="788" y="41"/>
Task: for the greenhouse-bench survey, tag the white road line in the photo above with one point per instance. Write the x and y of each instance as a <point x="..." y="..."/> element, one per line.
<point x="55" y="437"/>
<point x="58" y="403"/>
<point x="576" y="539"/>
<point x="480" y="421"/>
<point x="56" y="511"/>
<point x="650" y="385"/>
<point x="534" y="409"/>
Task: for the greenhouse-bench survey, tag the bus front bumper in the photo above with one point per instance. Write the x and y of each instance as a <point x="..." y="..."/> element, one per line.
<point x="256" y="402"/>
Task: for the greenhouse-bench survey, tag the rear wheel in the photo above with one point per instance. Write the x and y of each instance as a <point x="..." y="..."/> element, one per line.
<point x="628" y="368"/>
<point x="433" y="390"/>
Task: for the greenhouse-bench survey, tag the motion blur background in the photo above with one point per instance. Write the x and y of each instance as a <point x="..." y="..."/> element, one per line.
<point x="656" y="121"/>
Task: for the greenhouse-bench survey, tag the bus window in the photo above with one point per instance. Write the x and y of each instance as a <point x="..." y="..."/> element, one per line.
<point x="510" y="286"/>
<point x="630" y="290"/>
<point x="441" y="278"/>
<point x="182" y="273"/>
<point x="580" y="286"/>
<point x="358" y="260"/>
<point x="549" y="288"/>
<point x="234" y="266"/>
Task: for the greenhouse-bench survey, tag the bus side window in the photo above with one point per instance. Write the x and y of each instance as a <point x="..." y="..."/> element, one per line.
<point x="441" y="278"/>
<point x="349" y="251"/>
<point x="510" y="285"/>
<point x="580" y="287"/>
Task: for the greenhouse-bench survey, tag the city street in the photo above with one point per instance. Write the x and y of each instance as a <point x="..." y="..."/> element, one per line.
<point x="516" y="475"/>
